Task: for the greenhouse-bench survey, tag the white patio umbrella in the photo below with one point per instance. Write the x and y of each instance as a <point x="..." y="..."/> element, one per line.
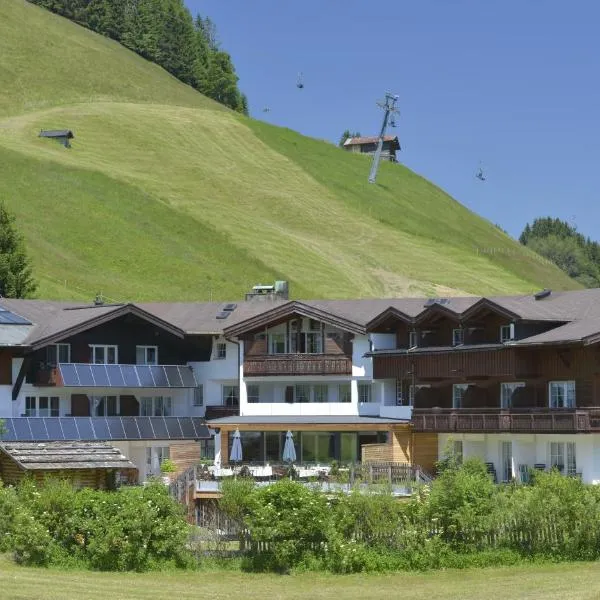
<point x="289" y="451"/>
<point x="236" y="448"/>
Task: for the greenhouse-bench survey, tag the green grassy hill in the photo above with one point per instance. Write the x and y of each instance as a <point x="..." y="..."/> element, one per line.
<point x="167" y="195"/>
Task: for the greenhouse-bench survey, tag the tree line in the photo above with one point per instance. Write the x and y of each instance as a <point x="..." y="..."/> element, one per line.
<point x="561" y="243"/>
<point x="164" y="32"/>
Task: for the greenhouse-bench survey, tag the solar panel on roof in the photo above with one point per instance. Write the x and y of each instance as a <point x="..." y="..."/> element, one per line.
<point x="69" y="428"/>
<point x="116" y="428"/>
<point x="230" y="307"/>
<point x="432" y="301"/>
<point x="223" y="314"/>
<point x="54" y="428"/>
<point x="100" y="375"/>
<point x="38" y="429"/>
<point x="187" y="377"/>
<point x="10" y="318"/>
<point x="173" y="376"/>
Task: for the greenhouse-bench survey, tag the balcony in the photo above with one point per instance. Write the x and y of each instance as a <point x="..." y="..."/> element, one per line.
<point x="217" y="412"/>
<point x="493" y="420"/>
<point x="297" y="364"/>
<point x="47" y="377"/>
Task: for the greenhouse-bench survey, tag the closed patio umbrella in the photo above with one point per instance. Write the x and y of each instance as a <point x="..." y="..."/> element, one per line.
<point x="289" y="451"/>
<point x="236" y="448"/>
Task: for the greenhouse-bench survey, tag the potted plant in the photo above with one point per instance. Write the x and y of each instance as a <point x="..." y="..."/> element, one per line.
<point x="167" y="467"/>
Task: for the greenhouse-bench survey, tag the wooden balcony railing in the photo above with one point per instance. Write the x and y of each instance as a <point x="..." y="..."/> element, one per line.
<point x="217" y="412"/>
<point x="298" y="364"/>
<point x="490" y="420"/>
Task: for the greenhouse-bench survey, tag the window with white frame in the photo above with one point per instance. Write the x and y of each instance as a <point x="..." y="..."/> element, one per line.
<point x="506" y="393"/>
<point x="562" y="394"/>
<point x="42" y="406"/>
<point x="253" y="392"/>
<point x="105" y="406"/>
<point x="458" y="337"/>
<point x="458" y="394"/>
<point x="57" y="354"/>
<point x="155" y="456"/>
<point x="146" y="355"/>
<point x="221" y="351"/>
<point x="320" y="393"/>
<point x="345" y="393"/>
<point x="156" y="406"/>
<point x="199" y="395"/>
<point x="231" y="395"/>
<point x="507" y="333"/>
<point x="563" y="457"/>
<point x="413" y="339"/>
<point x="104" y="355"/>
<point x="277" y="343"/>
<point x="364" y="393"/>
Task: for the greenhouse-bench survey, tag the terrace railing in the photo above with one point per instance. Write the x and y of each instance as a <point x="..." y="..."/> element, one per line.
<point x="492" y="420"/>
<point x="298" y="364"/>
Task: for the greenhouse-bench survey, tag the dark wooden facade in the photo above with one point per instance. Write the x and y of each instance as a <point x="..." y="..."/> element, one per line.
<point x="335" y="358"/>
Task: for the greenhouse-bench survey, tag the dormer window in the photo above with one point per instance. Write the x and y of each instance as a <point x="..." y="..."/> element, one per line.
<point x="413" y="339"/>
<point x="507" y="333"/>
<point x="458" y="337"/>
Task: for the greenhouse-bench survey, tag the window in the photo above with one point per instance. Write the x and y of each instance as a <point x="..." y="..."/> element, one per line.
<point x="231" y="395"/>
<point x="43" y="406"/>
<point x="313" y="343"/>
<point x="199" y="395"/>
<point x="413" y="339"/>
<point x="506" y="393"/>
<point x="457" y="337"/>
<point x="457" y="451"/>
<point x="506" y="454"/>
<point x="458" y="394"/>
<point x="157" y="406"/>
<point x="221" y="351"/>
<point x="507" y="333"/>
<point x="104" y="355"/>
<point x="320" y="393"/>
<point x="253" y="391"/>
<point x="412" y="393"/>
<point x="301" y="393"/>
<point x="562" y="457"/>
<point x="345" y="392"/>
<point x="562" y="394"/>
<point x="276" y="343"/>
<point x="58" y="353"/>
<point x="105" y="406"/>
<point x="146" y="355"/>
<point x="364" y="392"/>
<point x="154" y="458"/>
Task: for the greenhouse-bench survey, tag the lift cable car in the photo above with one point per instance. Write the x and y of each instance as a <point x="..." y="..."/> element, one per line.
<point x="480" y="175"/>
<point x="299" y="82"/>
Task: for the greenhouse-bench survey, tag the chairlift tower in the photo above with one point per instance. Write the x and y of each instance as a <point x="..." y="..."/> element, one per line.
<point x="389" y="106"/>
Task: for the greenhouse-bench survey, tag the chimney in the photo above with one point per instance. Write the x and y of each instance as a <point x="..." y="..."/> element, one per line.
<point x="98" y="301"/>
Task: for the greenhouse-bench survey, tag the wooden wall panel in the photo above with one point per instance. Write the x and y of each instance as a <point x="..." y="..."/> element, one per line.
<point x="425" y="450"/>
<point x="80" y="405"/>
<point x="5" y="367"/>
<point x="185" y="455"/>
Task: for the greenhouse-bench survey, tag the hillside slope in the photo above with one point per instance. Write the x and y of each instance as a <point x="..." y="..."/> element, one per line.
<point x="167" y="195"/>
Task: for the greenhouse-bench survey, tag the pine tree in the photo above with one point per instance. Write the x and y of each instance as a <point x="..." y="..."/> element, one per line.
<point x="16" y="279"/>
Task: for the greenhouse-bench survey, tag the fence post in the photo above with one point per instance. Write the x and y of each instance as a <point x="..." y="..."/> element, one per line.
<point x="390" y="474"/>
<point x="370" y="473"/>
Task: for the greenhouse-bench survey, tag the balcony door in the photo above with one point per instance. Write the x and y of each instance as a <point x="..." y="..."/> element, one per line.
<point x="506" y="457"/>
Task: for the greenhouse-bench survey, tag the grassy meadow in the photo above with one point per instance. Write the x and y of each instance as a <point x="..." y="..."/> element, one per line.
<point x="566" y="581"/>
<point x="167" y="195"/>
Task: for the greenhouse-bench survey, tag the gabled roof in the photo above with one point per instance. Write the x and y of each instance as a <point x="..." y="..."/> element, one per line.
<point x="389" y="313"/>
<point x="486" y="303"/>
<point x="585" y="331"/>
<point x="50" y="456"/>
<point x="437" y="309"/>
<point x="290" y="309"/>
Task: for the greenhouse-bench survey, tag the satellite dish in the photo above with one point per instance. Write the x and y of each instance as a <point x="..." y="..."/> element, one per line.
<point x="299" y="82"/>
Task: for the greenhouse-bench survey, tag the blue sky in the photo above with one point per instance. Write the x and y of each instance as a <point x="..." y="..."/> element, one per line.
<point x="513" y="83"/>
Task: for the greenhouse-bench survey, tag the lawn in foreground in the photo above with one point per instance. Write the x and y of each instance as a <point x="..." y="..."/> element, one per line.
<point x="564" y="581"/>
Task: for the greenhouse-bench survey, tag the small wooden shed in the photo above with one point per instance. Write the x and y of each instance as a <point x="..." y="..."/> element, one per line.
<point x="61" y="135"/>
<point x="85" y="464"/>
